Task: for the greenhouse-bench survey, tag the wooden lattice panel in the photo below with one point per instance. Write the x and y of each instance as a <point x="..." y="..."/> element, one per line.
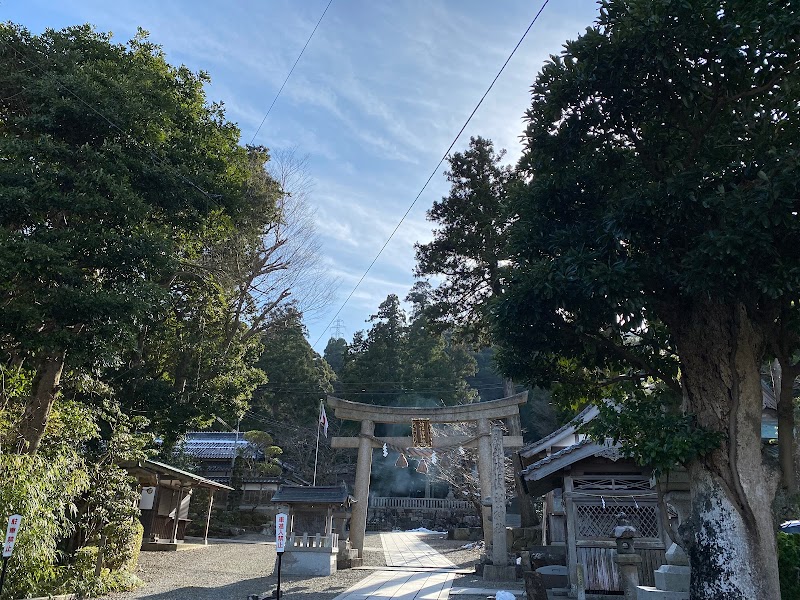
<point x="616" y="483"/>
<point x="595" y="521"/>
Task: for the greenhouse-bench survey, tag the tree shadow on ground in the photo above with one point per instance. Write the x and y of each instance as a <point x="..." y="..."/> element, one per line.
<point x="240" y="590"/>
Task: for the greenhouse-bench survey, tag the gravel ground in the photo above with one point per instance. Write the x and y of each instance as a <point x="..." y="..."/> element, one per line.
<point x="222" y="571"/>
<point x="237" y="568"/>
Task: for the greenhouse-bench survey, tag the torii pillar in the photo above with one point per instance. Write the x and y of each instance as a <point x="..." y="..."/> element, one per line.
<point x="369" y="414"/>
<point x="358" y="517"/>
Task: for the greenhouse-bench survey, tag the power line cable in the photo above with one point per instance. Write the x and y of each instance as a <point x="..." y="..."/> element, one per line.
<point x="435" y="170"/>
<point x="275" y="99"/>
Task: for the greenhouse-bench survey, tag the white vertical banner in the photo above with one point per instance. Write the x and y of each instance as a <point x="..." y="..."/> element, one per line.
<point x="14" y="521"/>
<point x="281" y="520"/>
<point x="323" y="419"/>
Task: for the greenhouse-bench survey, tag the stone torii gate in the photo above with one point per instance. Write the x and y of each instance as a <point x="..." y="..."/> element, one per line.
<point x="481" y="412"/>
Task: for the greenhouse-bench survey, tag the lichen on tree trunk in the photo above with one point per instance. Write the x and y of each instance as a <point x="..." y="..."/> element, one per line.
<point x="730" y="533"/>
<point x="44" y="389"/>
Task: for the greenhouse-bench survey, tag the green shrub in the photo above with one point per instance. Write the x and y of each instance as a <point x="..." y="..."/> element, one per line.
<point x="42" y="490"/>
<point x="123" y="542"/>
<point x="789" y="565"/>
<point x="85" y="559"/>
<point x="79" y="577"/>
<point x="67" y="495"/>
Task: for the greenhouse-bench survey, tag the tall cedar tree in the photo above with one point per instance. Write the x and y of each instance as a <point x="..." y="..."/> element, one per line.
<point x="662" y="205"/>
<point x="298" y="376"/>
<point x="401" y="363"/>
<point x="469" y="243"/>
<point x="469" y="249"/>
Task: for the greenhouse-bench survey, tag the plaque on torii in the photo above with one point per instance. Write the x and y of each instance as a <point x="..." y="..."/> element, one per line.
<point x="421" y="433"/>
<point x="421" y="419"/>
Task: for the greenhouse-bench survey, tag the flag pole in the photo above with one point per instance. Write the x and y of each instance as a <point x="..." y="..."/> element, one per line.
<point x="316" y="454"/>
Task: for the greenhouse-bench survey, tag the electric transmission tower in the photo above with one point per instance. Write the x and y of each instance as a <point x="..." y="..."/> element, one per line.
<point x="338" y="328"/>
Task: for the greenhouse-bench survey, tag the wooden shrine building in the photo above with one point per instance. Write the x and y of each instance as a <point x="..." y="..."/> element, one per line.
<point x="585" y="485"/>
<point x="166" y="492"/>
<point x="317" y="530"/>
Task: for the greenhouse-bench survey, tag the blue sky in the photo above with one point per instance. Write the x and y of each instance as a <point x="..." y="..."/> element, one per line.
<point x="374" y="102"/>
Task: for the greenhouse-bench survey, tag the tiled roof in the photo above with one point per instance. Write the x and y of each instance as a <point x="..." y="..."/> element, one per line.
<point x="587" y="414"/>
<point x="294" y="494"/>
<point x="556" y="456"/>
<point x="210" y="445"/>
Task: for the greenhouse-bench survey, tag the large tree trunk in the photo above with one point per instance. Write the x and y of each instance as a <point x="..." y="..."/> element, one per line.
<point x="44" y="389"/>
<point x="527" y="513"/>
<point x="730" y="535"/>
<point x="784" y="374"/>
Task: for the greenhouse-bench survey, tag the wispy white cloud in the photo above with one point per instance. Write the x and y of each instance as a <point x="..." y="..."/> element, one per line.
<point x="375" y="101"/>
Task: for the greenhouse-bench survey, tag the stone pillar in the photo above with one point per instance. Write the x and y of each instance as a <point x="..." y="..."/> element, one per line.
<point x="499" y="570"/>
<point x="499" y="545"/>
<point x="485" y="477"/>
<point x="527" y="514"/>
<point x="358" y="520"/>
<point x="628" y="565"/>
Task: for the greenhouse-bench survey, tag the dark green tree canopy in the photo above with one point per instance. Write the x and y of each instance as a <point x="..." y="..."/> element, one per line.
<point x="116" y="174"/>
<point x="653" y="243"/>
<point x="298" y="377"/>
<point x="110" y="155"/>
<point x="334" y="354"/>
<point x="402" y="362"/>
<point x="660" y="150"/>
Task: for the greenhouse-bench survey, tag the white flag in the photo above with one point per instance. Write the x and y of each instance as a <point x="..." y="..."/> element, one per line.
<point x="323" y="419"/>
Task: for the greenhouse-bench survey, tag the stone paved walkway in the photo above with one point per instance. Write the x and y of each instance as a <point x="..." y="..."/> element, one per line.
<point x="424" y="575"/>
<point x="410" y="550"/>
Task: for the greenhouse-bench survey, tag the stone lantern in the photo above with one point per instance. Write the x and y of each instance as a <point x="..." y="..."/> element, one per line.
<point x="627" y="559"/>
<point x="624" y="532"/>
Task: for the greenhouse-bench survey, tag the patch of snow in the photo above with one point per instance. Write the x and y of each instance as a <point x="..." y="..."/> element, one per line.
<point x="425" y="530"/>
<point x="504" y="595"/>
<point x="472" y="546"/>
